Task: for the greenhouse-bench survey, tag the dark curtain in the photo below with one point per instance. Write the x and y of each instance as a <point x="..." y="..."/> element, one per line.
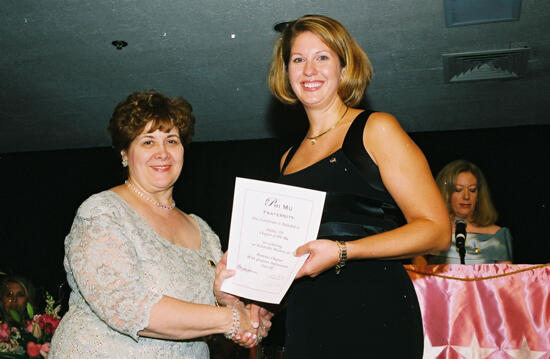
<point x="42" y="190"/>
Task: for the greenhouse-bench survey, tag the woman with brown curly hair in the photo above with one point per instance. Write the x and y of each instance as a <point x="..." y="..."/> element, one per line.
<point x="141" y="270"/>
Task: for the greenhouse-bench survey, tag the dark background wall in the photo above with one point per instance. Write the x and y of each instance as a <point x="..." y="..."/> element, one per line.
<point x="41" y="191"/>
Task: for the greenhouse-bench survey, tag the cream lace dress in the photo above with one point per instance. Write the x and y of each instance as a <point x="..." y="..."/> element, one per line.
<point x="118" y="267"/>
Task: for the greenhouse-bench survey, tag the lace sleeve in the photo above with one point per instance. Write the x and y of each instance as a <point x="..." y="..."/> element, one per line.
<point x="104" y="264"/>
<point x="211" y="239"/>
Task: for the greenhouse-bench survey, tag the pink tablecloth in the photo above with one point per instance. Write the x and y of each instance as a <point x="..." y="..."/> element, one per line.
<point x="484" y="311"/>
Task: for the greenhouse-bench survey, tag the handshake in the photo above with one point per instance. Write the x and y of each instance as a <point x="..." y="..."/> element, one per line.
<point x="250" y="322"/>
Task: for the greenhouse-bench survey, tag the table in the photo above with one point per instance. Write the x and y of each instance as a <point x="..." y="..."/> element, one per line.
<point x="485" y="311"/>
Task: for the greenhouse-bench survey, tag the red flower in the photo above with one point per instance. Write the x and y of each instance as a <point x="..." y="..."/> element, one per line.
<point x="45" y="350"/>
<point x="50" y="323"/>
<point x="28" y="328"/>
<point x="33" y="349"/>
<point x="5" y="332"/>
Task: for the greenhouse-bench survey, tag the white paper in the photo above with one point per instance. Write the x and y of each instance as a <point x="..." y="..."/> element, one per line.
<point x="268" y="222"/>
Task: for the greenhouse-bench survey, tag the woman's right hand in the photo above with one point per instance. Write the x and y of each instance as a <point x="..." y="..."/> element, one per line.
<point x="246" y="335"/>
<point x="259" y="317"/>
<point x="249" y="335"/>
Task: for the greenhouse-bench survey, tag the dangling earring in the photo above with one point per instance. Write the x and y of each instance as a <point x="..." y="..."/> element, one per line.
<point x="124" y="162"/>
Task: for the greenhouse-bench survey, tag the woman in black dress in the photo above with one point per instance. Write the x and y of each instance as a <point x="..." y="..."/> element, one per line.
<point x="353" y="298"/>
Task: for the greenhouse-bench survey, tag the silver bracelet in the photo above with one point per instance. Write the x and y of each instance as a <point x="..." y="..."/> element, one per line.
<point x="234" y="326"/>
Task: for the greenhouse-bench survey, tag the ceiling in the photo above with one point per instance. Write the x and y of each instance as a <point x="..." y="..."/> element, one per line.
<point x="61" y="77"/>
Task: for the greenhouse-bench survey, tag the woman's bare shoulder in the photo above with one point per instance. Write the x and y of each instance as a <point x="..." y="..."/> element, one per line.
<point x="380" y="120"/>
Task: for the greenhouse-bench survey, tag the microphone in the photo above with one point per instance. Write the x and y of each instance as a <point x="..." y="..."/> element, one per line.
<point x="460" y="238"/>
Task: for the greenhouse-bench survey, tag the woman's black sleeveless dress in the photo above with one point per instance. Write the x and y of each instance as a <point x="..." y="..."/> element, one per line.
<point x="370" y="309"/>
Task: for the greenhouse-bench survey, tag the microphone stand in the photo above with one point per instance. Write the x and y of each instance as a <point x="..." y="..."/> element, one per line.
<point x="460" y="238"/>
<point x="461" y="251"/>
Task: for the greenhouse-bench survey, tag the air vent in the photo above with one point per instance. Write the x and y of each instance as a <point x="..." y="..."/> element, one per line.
<point x="485" y="65"/>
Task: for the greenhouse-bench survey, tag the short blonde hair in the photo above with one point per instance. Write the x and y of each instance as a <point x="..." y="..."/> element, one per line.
<point x="484" y="213"/>
<point x="358" y="67"/>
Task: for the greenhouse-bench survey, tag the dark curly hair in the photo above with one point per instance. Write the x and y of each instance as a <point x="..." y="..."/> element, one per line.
<point x="132" y="115"/>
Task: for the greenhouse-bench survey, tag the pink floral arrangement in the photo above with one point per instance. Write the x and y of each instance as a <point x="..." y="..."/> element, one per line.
<point x="29" y="338"/>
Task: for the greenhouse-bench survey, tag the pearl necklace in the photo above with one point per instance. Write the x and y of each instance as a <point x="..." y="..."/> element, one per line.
<point x="313" y="139"/>
<point x="149" y="199"/>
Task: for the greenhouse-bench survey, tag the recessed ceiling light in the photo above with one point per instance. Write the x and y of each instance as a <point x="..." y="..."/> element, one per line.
<point x="281" y="26"/>
<point x="119" y="44"/>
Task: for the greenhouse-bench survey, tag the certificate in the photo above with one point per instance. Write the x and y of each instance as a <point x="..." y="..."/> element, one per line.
<point x="268" y="222"/>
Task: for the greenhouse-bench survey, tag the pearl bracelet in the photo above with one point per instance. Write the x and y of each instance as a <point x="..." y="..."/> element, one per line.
<point x="234" y="326"/>
<point x="343" y="256"/>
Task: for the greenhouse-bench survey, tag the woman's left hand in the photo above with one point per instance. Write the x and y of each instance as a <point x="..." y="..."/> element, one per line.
<point x="323" y="255"/>
<point x="222" y="273"/>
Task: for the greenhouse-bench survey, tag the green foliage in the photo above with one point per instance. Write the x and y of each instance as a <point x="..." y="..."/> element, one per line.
<point x="15" y="315"/>
<point x="30" y="310"/>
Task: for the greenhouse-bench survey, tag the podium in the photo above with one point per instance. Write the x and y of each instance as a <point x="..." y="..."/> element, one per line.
<point x="484" y="311"/>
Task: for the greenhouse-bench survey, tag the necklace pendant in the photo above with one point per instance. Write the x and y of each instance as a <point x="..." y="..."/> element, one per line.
<point x="314" y="138"/>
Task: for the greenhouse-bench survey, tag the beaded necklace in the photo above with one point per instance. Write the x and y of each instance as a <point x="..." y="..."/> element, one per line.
<point x="149" y="199"/>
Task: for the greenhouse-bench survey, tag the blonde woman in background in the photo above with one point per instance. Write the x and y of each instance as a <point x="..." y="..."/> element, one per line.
<point x="467" y="196"/>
